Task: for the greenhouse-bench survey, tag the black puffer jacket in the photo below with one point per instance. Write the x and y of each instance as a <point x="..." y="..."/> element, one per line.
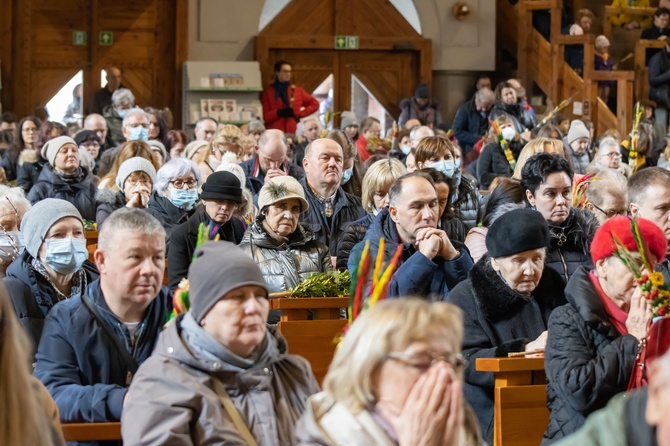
<point x="107" y="202"/>
<point x="32" y="295"/>
<point x="353" y="234"/>
<point x="81" y="193"/>
<point x="329" y="231"/>
<point x="587" y="360"/>
<point x="492" y="162"/>
<point x="467" y="203"/>
<point x="184" y="238"/>
<point x="571" y="243"/>
<point x="497" y="321"/>
<point x="29" y="174"/>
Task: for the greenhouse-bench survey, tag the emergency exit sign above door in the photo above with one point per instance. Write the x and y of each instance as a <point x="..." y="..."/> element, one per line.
<point x="346" y="42"/>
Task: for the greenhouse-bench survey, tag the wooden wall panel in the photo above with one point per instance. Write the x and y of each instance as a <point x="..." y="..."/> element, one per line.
<point x="304" y="17"/>
<point x="374" y="18"/>
<point x="146" y="46"/>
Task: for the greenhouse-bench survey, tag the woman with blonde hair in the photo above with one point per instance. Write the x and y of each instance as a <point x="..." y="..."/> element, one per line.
<point x="494" y="161"/>
<point x="130" y="149"/>
<point x="226" y="139"/>
<point x="376" y="184"/>
<point x="538" y="145"/>
<point x="29" y="416"/>
<point x="395" y="379"/>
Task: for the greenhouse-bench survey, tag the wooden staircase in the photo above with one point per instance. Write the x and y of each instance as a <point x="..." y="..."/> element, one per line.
<point x="542" y="62"/>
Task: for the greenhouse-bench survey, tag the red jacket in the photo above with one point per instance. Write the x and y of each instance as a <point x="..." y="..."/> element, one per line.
<point x="302" y="103"/>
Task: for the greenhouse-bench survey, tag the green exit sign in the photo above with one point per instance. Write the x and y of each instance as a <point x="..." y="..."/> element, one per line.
<point x="106" y="38"/>
<point x="78" y="37"/>
<point x="346" y="42"/>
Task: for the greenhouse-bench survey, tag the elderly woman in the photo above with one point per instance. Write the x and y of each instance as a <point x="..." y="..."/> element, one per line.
<point x="593" y="340"/>
<point x="286" y="253"/>
<point x="220" y="198"/>
<point x="607" y="195"/>
<point x="176" y="192"/>
<point x="129" y="149"/>
<point x="219" y="375"/>
<point x="64" y="178"/>
<point x="246" y="211"/>
<point x="226" y="139"/>
<point x="440" y="154"/>
<point x="577" y="143"/>
<point x="537" y="145"/>
<point x="135" y="180"/>
<point x="376" y="184"/>
<point x="405" y="388"/>
<point x="29" y="414"/>
<point x="13" y="206"/>
<point x="54" y="265"/>
<point x="608" y="156"/>
<point x="494" y="162"/>
<point x="506" y="302"/>
<point x="547" y="183"/>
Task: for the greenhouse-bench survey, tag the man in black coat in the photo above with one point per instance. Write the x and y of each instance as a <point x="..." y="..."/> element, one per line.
<point x="472" y="119"/>
<point x="221" y="195"/>
<point x="659" y="83"/>
<point x="269" y="161"/>
<point x="506" y="302"/>
<point x="330" y="208"/>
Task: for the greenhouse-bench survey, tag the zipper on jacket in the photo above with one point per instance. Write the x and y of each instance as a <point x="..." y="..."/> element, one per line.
<point x="565" y="266"/>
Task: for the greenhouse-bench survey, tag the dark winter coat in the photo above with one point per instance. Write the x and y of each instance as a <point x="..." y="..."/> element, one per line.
<point x="78" y="364"/>
<point x="184" y="238"/>
<point x="469" y="125"/>
<point x="497" y="321"/>
<point x="571" y="242"/>
<point x="32" y="295"/>
<point x="417" y="275"/>
<point x="353" y="234"/>
<point x="255" y="183"/>
<point x="329" y="231"/>
<point x="659" y="79"/>
<point x="492" y="162"/>
<point x="520" y="112"/>
<point x="107" y="202"/>
<point x="467" y="203"/>
<point x="587" y="360"/>
<point x="81" y="194"/>
<point x="429" y="115"/>
<point x="29" y="173"/>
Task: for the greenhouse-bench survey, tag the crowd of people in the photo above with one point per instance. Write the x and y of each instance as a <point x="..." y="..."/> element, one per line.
<point x="504" y="230"/>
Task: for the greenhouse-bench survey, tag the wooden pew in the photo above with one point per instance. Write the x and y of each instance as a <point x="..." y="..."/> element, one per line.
<point x="91" y="431"/>
<point x="313" y="339"/>
<point x="520" y="410"/>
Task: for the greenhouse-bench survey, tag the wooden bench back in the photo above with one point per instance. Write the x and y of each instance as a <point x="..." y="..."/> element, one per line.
<point x="523" y="414"/>
<point x="91" y="431"/>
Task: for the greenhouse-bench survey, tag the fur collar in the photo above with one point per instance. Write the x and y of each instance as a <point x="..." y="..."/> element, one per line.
<point x="27" y="156"/>
<point x="497" y="300"/>
<point x="109" y="196"/>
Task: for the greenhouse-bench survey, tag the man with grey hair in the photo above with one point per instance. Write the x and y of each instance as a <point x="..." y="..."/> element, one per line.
<point x="134" y="127"/>
<point x="418" y="133"/>
<point x="608" y="157"/>
<point x="472" y="119"/>
<point x="269" y="162"/>
<point x="94" y="342"/>
<point x="122" y="102"/>
<point x="205" y="128"/>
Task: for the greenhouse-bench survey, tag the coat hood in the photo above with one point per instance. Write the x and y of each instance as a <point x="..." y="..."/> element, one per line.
<point x="497" y="300"/>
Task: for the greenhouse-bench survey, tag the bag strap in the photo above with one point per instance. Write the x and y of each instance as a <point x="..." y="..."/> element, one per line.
<point x="233" y="413"/>
<point x="127" y="358"/>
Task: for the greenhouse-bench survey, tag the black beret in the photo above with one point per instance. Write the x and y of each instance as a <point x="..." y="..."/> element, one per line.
<point x="222" y="185"/>
<point x="517" y="231"/>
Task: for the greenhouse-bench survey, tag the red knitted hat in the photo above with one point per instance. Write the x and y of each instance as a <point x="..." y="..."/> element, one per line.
<point x="603" y="246"/>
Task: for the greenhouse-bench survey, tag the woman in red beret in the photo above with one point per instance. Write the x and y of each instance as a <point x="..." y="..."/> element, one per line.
<point x="594" y="339"/>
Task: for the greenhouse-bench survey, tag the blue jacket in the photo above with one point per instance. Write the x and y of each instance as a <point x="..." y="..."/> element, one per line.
<point x="469" y="125"/>
<point x="417" y="275"/>
<point x="75" y="361"/>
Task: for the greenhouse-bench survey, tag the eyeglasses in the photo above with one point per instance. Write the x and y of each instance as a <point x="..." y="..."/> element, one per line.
<point x="136" y="182"/>
<point x="612" y="212"/>
<point x="424" y="360"/>
<point x="178" y="184"/>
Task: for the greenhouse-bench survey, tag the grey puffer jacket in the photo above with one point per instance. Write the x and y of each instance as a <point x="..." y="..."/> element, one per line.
<point x="285" y="265"/>
<point x="172" y="398"/>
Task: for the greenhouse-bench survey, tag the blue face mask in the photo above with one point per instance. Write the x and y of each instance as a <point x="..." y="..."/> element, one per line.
<point x="122" y="112"/>
<point x="184" y="198"/>
<point x="346" y="175"/>
<point x="138" y="133"/>
<point x="447" y="167"/>
<point x="66" y="255"/>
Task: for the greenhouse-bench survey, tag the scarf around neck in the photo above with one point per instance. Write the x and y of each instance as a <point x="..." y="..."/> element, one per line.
<point x="281" y="91"/>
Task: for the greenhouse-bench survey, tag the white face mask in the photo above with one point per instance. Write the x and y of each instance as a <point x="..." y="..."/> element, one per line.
<point x="447" y="167"/>
<point x="508" y="133"/>
<point x="406" y="148"/>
